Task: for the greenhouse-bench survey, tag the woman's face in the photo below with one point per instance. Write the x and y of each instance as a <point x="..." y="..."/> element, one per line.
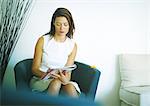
<point x="61" y="26"/>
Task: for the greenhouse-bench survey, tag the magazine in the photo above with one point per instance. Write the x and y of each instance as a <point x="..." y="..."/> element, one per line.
<point x="56" y="70"/>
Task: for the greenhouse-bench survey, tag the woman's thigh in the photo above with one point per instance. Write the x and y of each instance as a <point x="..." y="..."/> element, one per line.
<point x="55" y="83"/>
<point x="37" y="84"/>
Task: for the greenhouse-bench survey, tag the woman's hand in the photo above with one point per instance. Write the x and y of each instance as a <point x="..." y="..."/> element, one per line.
<point x="55" y="75"/>
<point x="63" y="77"/>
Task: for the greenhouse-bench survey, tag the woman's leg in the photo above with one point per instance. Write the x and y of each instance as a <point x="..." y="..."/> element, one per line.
<point x="54" y="87"/>
<point x="70" y="90"/>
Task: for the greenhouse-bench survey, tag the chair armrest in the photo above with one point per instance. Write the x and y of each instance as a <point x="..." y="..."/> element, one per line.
<point x="23" y="74"/>
<point x="94" y="84"/>
<point x="88" y="80"/>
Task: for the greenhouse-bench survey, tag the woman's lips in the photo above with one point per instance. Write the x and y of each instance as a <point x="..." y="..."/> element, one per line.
<point x="61" y="31"/>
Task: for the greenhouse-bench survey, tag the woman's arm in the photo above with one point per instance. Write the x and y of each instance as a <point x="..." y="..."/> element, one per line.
<point x="37" y="58"/>
<point x="71" y="58"/>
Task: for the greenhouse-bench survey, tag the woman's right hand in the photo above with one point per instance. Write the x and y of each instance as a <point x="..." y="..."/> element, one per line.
<point x="55" y="75"/>
<point x="51" y="73"/>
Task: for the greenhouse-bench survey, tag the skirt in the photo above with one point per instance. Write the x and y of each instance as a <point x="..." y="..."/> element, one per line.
<point x="39" y="85"/>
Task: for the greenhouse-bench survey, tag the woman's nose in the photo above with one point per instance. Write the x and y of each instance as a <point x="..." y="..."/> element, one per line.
<point x="61" y="26"/>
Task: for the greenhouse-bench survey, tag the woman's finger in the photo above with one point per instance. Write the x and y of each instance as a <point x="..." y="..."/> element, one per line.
<point x="60" y="72"/>
<point x="56" y="75"/>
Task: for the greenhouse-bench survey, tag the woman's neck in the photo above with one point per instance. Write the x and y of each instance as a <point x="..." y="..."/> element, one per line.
<point x="59" y="38"/>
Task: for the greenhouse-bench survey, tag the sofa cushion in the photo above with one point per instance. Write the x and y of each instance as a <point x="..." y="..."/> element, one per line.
<point x="134" y="70"/>
<point x="132" y="95"/>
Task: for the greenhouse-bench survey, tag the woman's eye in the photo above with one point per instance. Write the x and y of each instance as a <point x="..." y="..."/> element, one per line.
<point x="58" y="24"/>
<point x="65" y="24"/>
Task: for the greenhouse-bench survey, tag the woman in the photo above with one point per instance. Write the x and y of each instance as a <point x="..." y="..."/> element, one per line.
<point x="57" y="49"/>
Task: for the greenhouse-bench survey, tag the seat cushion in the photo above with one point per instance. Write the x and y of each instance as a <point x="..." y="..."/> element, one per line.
<point x="131" y="95"/>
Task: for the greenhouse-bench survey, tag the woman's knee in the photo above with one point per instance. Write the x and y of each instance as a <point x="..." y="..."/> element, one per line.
<point x="70" y="90"/>
<point x="55" y="84"/>
<point x="69" y="87"/>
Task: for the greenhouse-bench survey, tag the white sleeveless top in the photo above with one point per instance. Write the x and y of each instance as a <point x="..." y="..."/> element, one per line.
<point x="55" y="54"/>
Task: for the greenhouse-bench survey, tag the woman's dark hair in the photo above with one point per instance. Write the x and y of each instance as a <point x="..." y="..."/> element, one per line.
<point x="59" y="12"/>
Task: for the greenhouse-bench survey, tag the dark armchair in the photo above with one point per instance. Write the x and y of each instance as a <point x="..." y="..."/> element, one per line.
<point x="84" y="75"/>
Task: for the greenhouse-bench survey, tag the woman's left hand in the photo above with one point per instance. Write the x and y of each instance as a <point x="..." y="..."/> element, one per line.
<point x="63" y="77"/>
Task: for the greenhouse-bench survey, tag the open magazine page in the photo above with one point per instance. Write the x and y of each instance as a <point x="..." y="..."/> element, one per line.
<point x="56" y="70"/>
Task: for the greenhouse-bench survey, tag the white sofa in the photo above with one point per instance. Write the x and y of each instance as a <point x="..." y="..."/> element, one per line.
<point x="135" y="79"/>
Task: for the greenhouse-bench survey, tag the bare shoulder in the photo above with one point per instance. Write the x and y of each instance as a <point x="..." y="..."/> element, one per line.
<point x="40" y="42"/>
<point x="41" y="39"/>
